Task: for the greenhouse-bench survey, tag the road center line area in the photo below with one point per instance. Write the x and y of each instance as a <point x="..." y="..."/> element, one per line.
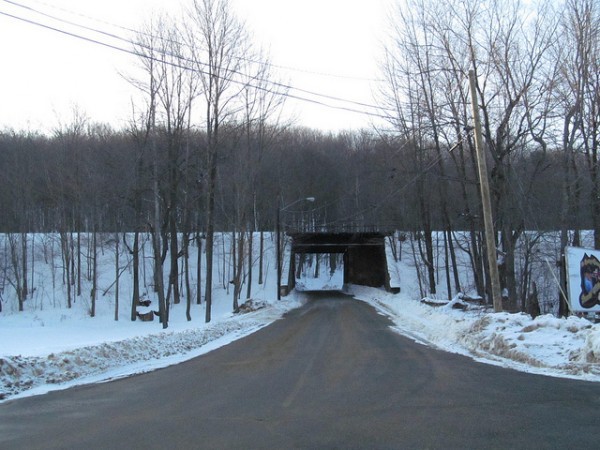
<point x="331" y="374"/>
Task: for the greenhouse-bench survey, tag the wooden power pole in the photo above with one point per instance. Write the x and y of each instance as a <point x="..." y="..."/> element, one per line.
<point x="490" y="238"/>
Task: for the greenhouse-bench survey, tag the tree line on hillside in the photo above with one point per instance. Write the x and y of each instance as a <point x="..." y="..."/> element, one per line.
<point x="95" y="180"/>
<point x="205" y="150"/>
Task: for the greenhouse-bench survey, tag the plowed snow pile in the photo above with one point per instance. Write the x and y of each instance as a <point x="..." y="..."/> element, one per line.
<point x="547" y="345"/>
<point x="63" y="348"/>
<point x="71" y="348"/>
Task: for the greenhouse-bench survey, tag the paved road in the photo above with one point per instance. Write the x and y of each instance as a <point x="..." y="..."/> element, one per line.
<point x="329" y="375"/>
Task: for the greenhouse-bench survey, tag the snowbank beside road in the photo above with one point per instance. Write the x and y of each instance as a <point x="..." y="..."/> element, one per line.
<point x="544" y="345"/>
<point x="144" y="348"/>
<point x="70" y="350"/>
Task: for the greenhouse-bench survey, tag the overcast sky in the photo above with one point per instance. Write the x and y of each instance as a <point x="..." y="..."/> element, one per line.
<point x="326" y="46"/>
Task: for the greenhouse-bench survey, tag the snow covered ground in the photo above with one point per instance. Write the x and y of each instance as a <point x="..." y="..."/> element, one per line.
<point x="545" y="345"/>
<point x="69" y="348"/>
<point x="49" y="347"/>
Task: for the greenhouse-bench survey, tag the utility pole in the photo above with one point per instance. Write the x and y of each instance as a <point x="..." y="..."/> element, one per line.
<point x="490" y="238"/>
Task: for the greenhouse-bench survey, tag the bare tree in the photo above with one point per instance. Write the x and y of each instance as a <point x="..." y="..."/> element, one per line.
<point x="578" y="94"/>
<point x="504" y="43"/>
<point x="512" y="60"/>
<point x="576" y="97"/>
<point x="408" y="96"/>
<point x="175" y="95"/>
<point x="262" y="106"/>
<point x="219" y="42"/>
<point x="16" y="258"/>
<point x="149" y="56"/>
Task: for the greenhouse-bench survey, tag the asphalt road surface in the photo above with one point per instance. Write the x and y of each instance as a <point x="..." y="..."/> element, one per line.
<point x="329" y="375"/>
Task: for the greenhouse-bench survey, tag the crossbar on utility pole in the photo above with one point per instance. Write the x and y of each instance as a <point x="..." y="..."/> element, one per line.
<point x="490" y="239"/>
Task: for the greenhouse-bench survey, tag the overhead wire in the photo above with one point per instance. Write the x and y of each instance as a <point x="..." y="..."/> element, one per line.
<point x="171" y="63"/>
<point x="269" y="64"/>
<point x="130" y="42"/>
<point x="59" y="19"/>
<point x="185" y="67"/>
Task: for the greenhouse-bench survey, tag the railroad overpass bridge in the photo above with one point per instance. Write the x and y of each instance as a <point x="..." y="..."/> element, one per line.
<point x="365" y="259"/>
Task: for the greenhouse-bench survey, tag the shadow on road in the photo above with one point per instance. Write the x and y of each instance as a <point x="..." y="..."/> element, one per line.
<point x="325" y="295"/>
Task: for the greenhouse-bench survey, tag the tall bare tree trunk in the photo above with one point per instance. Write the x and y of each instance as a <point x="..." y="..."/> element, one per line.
<point x="78" y="263"/>
<point x="199" y="269"/>
<point x="135" y="253"/>
<point x="25" y="290"/>
<point x="250" y="262"/>
<point x="186" y="268"/>
<point x="210" y="235"/>
<point x="94" y="272"/>
<point x="260" y="257"/>
<point x="158" y="261"/>
<point x="66" y="258"/>
<point x="238" y="266"/>
<point x="116" y="276"/>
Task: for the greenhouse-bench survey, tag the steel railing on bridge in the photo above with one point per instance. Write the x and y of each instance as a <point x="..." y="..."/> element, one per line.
<point x="339" y="229"/>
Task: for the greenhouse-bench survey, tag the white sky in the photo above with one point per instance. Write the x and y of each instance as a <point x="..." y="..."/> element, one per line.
<point x="46" y="74"/>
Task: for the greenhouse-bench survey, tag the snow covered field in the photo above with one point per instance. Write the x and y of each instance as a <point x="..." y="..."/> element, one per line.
<point x="70" y="348"/>
<point x="51" y="347"/>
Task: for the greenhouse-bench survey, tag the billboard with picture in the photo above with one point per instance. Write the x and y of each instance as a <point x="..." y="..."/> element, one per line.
<point x="583" y="279"/>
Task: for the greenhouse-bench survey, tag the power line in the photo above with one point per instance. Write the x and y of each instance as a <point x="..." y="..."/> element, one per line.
<point x="138" y="54"/>
<point x="269" y="64"/>
<point x="130" y="30"/>
<point x="128" y="41"/>
<point x="372" y="208"/>
<point x="50" y="16"/>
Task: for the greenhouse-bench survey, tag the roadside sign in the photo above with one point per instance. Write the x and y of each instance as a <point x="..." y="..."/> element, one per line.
<point x="583" y="279"/>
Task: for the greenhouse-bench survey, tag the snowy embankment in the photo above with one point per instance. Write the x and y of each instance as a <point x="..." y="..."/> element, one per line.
<point x="74" y="349"/>
<point x="64" y="356"/>
<point x="49" y="346"/>
<point x="545" y="345"/>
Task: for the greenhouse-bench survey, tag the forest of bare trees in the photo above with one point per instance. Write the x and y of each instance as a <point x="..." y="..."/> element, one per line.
<point x="206" y="151"/>
<point x="536" y="65"/>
